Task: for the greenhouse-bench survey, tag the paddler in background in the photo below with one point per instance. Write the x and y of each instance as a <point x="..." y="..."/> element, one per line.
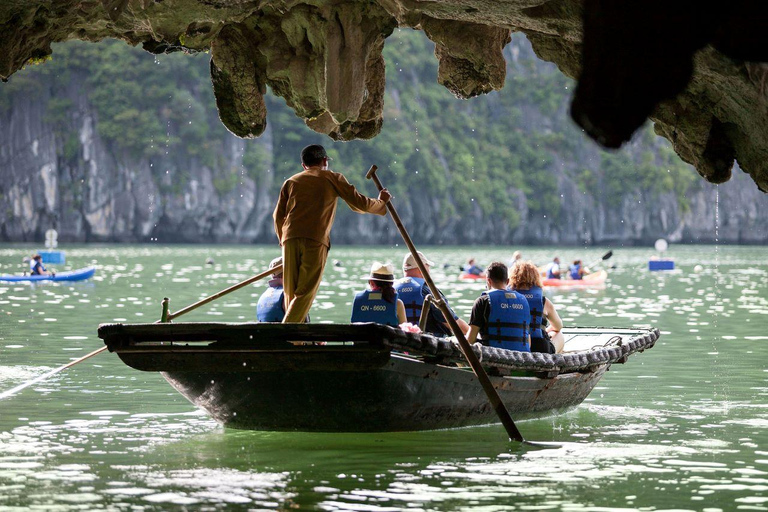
<point x="553" y="269"/>
<point x="526" y="280"/>
<point x="412" y="290"/>
<point x="36" y="267"/>
<point x="577" y="270"/>
<point x="516" y="256"/>
<point x="472" y="268"/>
<point x="303" y="219"/>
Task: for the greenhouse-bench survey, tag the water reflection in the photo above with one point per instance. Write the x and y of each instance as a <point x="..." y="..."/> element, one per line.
<point x="678" y="427"/>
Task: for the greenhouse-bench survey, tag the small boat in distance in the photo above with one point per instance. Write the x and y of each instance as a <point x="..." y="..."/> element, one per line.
<point x="594" y="280"/>
<point x="470" y="277"/>
<point x="71" y="275"/>
<point x="364" y="377"/>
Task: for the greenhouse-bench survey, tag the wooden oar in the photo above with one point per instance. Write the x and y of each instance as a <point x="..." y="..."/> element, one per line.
<point x="203" y="302"/>
<point x="166" y="317"/>
<point x="41" y="378"/>
<point x="474" y="362"/>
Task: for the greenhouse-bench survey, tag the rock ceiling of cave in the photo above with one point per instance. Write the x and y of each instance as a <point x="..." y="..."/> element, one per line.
<point x="695" y="70"/>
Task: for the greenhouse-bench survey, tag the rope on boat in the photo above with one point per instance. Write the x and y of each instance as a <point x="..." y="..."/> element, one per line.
<point x="615" y="350"/>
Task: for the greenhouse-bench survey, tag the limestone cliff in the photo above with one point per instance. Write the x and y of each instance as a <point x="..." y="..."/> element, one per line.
<point x="59" y="169"/>
<point x="696" y="69"/>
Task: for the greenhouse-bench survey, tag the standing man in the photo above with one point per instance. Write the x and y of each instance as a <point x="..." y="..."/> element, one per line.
<point x="303" y="219"/>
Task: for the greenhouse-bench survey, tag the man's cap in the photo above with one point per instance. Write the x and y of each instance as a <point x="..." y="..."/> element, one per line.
<point x="409" y="262"/>
<point x="314" y="152"/>
<point x="275" y="262"/>
<point x="381" y="272"/>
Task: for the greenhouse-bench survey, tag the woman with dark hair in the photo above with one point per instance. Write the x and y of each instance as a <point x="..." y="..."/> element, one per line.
<point x="526" y="280"/>
<point x="380" y="302"/>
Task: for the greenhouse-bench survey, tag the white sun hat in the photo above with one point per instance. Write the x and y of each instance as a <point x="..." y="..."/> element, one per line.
<point x="409" y="262"/>
<point x="381" y="272"/>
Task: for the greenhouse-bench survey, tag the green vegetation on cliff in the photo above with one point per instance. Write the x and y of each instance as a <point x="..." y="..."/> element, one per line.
<point x="506" y="156"/>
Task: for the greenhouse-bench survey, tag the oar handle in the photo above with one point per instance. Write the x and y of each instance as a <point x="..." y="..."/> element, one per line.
<point x="469" y="354"/>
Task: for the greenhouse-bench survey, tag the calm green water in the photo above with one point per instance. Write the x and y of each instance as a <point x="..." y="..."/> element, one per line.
<point x="682" y="426"/>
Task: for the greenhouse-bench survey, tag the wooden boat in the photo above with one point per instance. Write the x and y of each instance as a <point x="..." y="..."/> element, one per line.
<point x="595" y="279"/>
<point x="72" y="275"/>
<point x="365" y="378"/>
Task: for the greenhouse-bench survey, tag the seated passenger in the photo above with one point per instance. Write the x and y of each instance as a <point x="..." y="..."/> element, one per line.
<point x="36" y="267"/>
<point x="553" y="269"/>
<point x="379" y="303"/>
<point x="412" y="289"/>
<point x="500" y="316"/>
<point x="526" y="280"/>
<point x="577" y="270"/>
<point x="271" y="307"/>
<point x="472" y="268"/>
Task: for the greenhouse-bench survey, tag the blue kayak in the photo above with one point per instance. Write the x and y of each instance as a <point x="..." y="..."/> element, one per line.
<point x="73" y="275"/>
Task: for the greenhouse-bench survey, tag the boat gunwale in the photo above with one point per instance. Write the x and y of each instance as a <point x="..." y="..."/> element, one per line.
<point x="228" y="338"/>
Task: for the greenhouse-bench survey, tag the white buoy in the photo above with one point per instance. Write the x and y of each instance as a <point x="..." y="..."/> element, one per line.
<point x="661" y="245"/>
<point x="698" y="268"/>
<point x="51" y="239"/>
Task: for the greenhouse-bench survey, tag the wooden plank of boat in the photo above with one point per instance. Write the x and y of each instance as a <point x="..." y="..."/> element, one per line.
<point x="256" y="376"/>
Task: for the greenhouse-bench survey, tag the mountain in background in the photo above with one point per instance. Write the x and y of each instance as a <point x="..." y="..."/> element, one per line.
<point x="109" y="143"/>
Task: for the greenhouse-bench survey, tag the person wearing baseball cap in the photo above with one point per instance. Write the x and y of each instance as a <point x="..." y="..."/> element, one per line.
<point x="379" y="303"/>
<point x="270" y="305"/>
<point x="412" y="290"/>
<point x="303" y="220"/>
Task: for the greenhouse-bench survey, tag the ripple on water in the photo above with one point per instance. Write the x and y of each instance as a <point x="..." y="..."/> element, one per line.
<point x="21" y="372"/>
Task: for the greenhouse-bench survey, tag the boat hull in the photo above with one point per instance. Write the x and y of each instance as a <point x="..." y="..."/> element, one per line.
<point x="72" y="275"/>
<point x="402" y="395"/>
<point x="362" y="377"/>
<point x="594" y="280"/>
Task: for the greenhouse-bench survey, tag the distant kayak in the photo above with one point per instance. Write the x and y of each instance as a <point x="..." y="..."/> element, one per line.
<point x="594" y="279"/>
<point x="73" y="275"/>
<point x="470" y="277"/>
